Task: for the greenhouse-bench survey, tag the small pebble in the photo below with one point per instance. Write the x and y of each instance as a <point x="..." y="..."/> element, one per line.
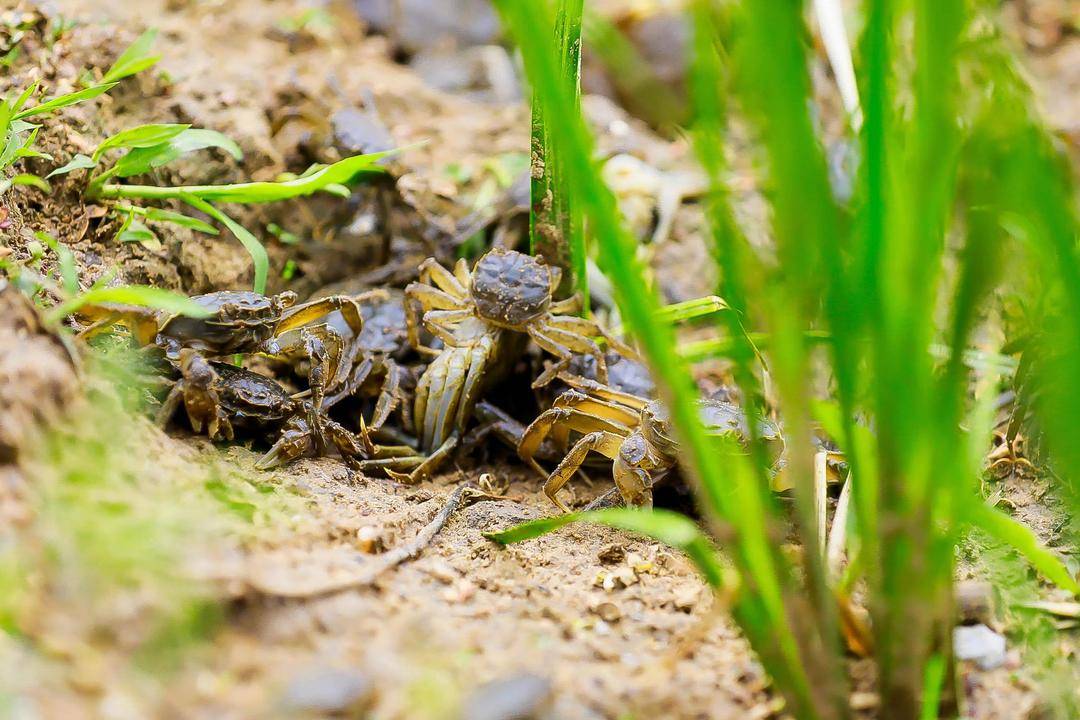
<point x="328" y="690"/>
<point x="980" y="645"/>
<point x="608" y="612"/>
<point x="974" y="602"/>
<point x="611" y="554"/>
<point x="686" y="597"/>
<point x="862" y="701"/>
<point x="524" y="697"/>
<point x="369" y="540"/>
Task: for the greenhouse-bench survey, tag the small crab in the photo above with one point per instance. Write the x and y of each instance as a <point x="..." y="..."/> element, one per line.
<point x="481" y="317"/>
<point x="632" y="431"/>
<point x="220" y="397"/>
<point x="243" y="322"/>
<point x="371" y="358"/>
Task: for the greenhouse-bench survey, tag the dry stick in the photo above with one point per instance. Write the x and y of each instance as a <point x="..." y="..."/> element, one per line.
<point x="387" y="561"/>
<point x="821" y="481"/>
<point x="834" y="555"/>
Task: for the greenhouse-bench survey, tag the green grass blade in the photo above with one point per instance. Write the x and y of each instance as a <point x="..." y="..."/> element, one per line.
<point x="65" y="100"/>
<point x="144" y="159"/>
<point x="168" y="216"/>
<point x="138" y="295"/>
<point x="142" y="136"/>
<point x="342" y="171"/>
<point x="79" y="162"/>
<point x="668" y="527"/>
<point x="1015" y="534"/>
<point x="22" y="99"/>
<point x="135" y="58"/>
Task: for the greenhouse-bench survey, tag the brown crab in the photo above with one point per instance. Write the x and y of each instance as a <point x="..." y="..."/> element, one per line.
<point x="220" y="397"/>
<point x="243" y="322"/>
<point x="633" y="431"/>
<point x="482" y="318"/>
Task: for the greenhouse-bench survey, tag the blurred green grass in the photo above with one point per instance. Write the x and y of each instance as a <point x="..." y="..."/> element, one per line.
<point x="958" y="180"/>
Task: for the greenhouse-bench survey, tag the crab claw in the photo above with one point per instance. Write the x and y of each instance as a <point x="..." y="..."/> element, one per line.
<point x="296" y="441"/>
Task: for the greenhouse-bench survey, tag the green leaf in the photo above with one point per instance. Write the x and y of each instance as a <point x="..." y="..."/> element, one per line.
<point x="139" y="295"/>
<point x="255" y="248"/>
<point x="24" y="96"/>
<point x="31" y="180"/>
<point x="668" y="527"/>
<point x="144" y="159"/>
<point x="1020" y="537"/>
<point x="65" y="100"/>
<point x="135" y="231"/>
<point x="134" y="59"/>
<point x="257" y="192"/>
<point x="79" y="162"/>
<point x="143" y="136"/>
<point x="168" y="216"/>
<point x="69" y="271"/>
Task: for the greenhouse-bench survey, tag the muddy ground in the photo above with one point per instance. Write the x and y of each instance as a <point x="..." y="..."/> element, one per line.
<point x="586" y="623"/>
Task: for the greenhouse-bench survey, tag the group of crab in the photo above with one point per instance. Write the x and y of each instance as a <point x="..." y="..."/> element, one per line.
<point x="425" y="356"/>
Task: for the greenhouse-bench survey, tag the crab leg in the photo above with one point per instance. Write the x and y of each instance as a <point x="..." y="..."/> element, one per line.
<point x="432" y="461"/>
<point x="602" y="391"/>
<point x="563" y="344"/>
<point x="435" y="375"/>
<point x="303" y="314"/>
<point x="431" y="272"/>
<point x="606" y="443"/>
<point x="389" y="395"/>
<point x="634" y="483"/>
<point x="461" y="272"/>
<point x="570" y="418"/>
<point x="569" y="305"/>
<point x="449" y="396"/>
<point x="358" y="377"/>
<point x="426" y="298"/>
<point x="589" y="328"/>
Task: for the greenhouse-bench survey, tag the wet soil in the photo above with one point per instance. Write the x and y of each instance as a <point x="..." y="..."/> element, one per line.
<point x="591" y="622"/>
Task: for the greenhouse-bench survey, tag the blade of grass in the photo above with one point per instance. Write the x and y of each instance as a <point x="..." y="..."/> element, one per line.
<point x="668" y="527"/>
<point x="255" y="192"/>
<point x="64" y="101"/>
<point x="527" y="24"/>
<point x="139" y="295"/>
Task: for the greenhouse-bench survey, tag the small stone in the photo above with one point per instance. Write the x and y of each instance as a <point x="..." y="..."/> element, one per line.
<point x="608" y="612"/>
<point x="369" y="540"/>
<point x="611" y="554"/>
<point x="974" y="602"/>
<point x="442" y="571"/>
<point x="329" y="690"/>
<point x="686" y="597"/>
<point x="625" y="576"/>
<point x="980" y="645"/>
<point x="524" y="697"/>
<point x="863" y="701"/>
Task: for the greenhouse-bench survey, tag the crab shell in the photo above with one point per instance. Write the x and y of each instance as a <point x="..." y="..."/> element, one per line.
<point x="239" y="319"/>
<point x="720" y="418"/>
<point x="510" y="288"/>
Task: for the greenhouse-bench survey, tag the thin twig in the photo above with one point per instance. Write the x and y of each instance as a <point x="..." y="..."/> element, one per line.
<point x="830" y="19"/>
<point x="385" y="562"/>
<point x="834" y="555"/>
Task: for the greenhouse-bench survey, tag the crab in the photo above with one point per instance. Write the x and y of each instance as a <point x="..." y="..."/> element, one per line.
<point x="243" y="322"/>
<point x="220" y="397"/>
<point x="483" y="319"/>
<point x="634" y="432"/>
<point x="371" y="358"/>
